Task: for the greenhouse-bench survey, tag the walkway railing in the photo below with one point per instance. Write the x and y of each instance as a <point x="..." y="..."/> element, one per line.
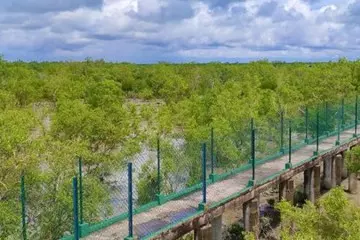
<point x="172" y="166"/>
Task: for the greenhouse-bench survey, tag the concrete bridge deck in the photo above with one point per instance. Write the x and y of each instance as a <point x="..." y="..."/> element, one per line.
<point x="177" y="217"/>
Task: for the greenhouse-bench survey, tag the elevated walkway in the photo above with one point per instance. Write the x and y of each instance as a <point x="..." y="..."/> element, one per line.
<point x="177" y="217"/>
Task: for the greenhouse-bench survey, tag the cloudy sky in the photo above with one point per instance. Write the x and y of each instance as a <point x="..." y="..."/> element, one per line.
<point x="146" y="31"/>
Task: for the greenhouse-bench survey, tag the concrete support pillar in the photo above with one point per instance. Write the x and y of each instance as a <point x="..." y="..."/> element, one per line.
<point x="317" y="181"/>
<point x="329" y="173"/>
<point x="291" y="191"/>
<point x="216" y="224"/>
<point x="353" y="183"/>
<point x="255" y="217"/>
<point x="344" y="171"/>
<point x="333" y="172"/>
<point x="204" y="233"/>
<point x="251" y="216"/>
<point x="312" y="183"/>
<point x="309" y="184"/>
<point x="195" y="231"/>
<point x="338" y="169"/>
<point x="287" y="190"/>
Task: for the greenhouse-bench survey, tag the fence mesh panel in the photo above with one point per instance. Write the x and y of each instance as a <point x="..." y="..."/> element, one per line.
<point x="103" y="196"/>
<point x="349" y="112"/>
<point x="181" y="165"/>
<point x="180" y="169"/>
<point x="232" y="150"/>
<point x="49" y="208"/>
<point x="298" y="128"/>
<point x="271" y="136"/>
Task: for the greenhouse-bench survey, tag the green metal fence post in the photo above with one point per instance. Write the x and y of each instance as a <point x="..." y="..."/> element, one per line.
<point x="81" y="192"/>
<point x="282" y="131"/>
<point x="75" y="209"/>
<point x="159" y="196"/>
<point x="317" y="133"/>
<point x="130" y="203"/>
<point x="338" y="127"/>
<point x="251" y="182"/>
<point x="289" y="164"/>
<point x="212" y="174"/>
<point x="342" y="113"/>
<point x="158" y="164"/>
<point x="202" y="205"/>
<point x="23" y="207"/>
<point x="326" y="119"/>
<point x="356" y="115"/>
<point x="306" y="125"/>
<point x="252" y="126"/>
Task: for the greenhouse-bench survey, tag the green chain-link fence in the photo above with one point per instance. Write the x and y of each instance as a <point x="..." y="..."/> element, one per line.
<point x="168" y="167"/>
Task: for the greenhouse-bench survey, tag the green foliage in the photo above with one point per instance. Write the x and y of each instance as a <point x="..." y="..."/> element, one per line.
<point x="104" y="93"/>
<point x="7" y="100"/>
<point x="334" y="217"/>
<point x="249" y="236"/>
<point x="235" y="232"/>
<point x="10" y="217"/>
<point x="352" y="160"/>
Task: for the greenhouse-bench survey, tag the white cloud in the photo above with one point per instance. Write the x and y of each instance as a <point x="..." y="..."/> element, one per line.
<point x="156" y="30"/>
